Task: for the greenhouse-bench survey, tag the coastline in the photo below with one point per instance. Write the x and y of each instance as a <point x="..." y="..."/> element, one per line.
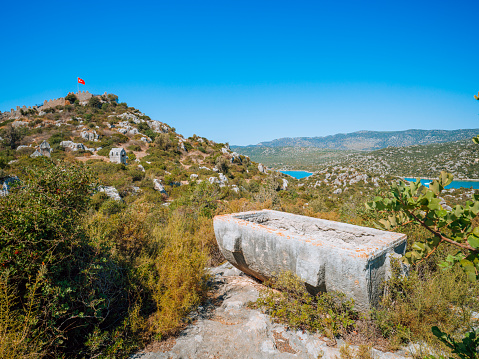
<point x="433" y="178"/>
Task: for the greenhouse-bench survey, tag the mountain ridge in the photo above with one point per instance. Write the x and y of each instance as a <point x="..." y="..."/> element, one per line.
<point x="365" y="140"/>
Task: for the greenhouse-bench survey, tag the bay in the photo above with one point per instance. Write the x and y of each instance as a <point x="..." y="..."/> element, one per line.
<point x="297" y="174"/>
<point x="454" y="184"/>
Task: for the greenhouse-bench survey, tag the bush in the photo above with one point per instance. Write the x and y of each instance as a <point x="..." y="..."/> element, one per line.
<point x="41" y="222"/>
<point x="110" y="207"/>
<point x="71" y="98"/>
<point x="222" y="164"/>
<point x="163" y="142"/>
<point x="328" y="313"/>
<point x="134" y="148"/>
<point x="94" y="102"/>
<point x="58" y="137"/>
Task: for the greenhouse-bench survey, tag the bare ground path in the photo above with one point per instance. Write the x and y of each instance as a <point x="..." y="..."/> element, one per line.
<point x="226" y="328"/>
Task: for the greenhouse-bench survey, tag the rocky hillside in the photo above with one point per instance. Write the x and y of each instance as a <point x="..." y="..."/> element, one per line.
<point x="158" y="158"/>
<point x="459" y="158"/>
<point x="118" y="248"/>
<point x="371" y="140"/>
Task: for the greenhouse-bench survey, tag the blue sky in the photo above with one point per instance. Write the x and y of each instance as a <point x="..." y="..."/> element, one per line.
<point x="249" y="71"/>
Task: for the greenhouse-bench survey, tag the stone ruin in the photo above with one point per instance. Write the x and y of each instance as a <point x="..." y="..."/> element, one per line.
<point x="83" y="97"/>
<point x="326" y="255"/>
<point x="118" y="155"/>
<point x="43" y="150"/>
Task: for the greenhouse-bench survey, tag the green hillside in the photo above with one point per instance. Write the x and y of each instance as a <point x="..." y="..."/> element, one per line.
<point x="100" y="259"/>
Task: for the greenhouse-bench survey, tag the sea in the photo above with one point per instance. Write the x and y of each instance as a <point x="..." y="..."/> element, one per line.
<point x="454" y="184"/>
<point x="297" y="174"/>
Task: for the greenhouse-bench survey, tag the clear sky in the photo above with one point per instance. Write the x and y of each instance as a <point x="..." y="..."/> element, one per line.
<point x="249" y="71"/>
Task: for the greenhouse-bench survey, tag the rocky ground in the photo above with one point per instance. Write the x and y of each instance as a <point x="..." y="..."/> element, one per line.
<point x="226" y="328"/>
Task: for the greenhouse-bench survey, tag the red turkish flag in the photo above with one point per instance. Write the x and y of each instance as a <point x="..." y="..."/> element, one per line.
<point x="80" y="81"/>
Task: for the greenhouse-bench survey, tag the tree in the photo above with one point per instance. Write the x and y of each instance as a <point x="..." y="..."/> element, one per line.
<point x="162" y="141"/>
<point x="71" y="98"/>
<point x="12" y="136"/>
<point x="222" y="164"/>
<point x="94" y="102"/>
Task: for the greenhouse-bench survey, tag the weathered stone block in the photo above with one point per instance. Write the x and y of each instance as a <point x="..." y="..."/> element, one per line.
<point x="326" y="255"/>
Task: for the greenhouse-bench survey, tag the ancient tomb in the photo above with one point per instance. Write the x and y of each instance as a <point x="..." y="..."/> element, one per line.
<point x="326" y="255"/>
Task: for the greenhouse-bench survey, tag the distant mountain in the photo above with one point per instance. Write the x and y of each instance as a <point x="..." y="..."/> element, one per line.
<point x="371" y="140"/>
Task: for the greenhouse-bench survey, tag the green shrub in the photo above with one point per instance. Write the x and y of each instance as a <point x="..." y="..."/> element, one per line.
<point x="94" y="102"/>
<point x="222" y="164"/>
<point x="163" y="141"/>
<point x="41" y="221"/>
<point x="290" y="303"/>
<point x="134" y="148"/>
<point x="71" y="98"/>
<point x="105" y="151"/>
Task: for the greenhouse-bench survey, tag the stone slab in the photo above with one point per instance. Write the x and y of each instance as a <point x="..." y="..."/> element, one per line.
<point x="326" y="255"/>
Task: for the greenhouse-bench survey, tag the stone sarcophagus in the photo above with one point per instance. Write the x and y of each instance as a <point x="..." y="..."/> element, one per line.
<point x="326" y="255"/>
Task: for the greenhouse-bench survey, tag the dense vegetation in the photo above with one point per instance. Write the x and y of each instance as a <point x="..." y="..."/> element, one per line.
<point x="83" y="274"/>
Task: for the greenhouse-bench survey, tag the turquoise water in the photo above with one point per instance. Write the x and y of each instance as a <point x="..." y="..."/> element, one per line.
<point x="454" y="184"/>
<point x="297" y="174"/>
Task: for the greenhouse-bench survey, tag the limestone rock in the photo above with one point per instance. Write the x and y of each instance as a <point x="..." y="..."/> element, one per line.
<point x="130" y="116"/>
<point x="19" y="123"/>
<point x="214" y="180"/>
<point x="261" y="168"/>
<point x="232" y="330"/>
<point x="157" y="126"/>
<point x="72" y="145"/>
<point x="37" y="153"/>
<point x="235" y="157"/>
<point x="89" y="135"/>
<point x="223" y="178"/>
<point x="320" y="252"/>
<point x="158" y="186"/>
<point x="181" y="146"/>
<point x="111" y="192"/>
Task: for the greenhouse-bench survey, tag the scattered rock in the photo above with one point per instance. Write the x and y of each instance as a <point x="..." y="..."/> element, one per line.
<point x="90" y="135"/>
<point x="158" y="186"/>
<point x="72" y="145"/>
<point x="111" y="192"/>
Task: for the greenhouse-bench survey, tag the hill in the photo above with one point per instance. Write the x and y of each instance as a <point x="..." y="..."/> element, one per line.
<point x="458" y="158"/>
<point x="87" y="130"/>
<point x="370" y="140"/>
<point x="100" y="259"/>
